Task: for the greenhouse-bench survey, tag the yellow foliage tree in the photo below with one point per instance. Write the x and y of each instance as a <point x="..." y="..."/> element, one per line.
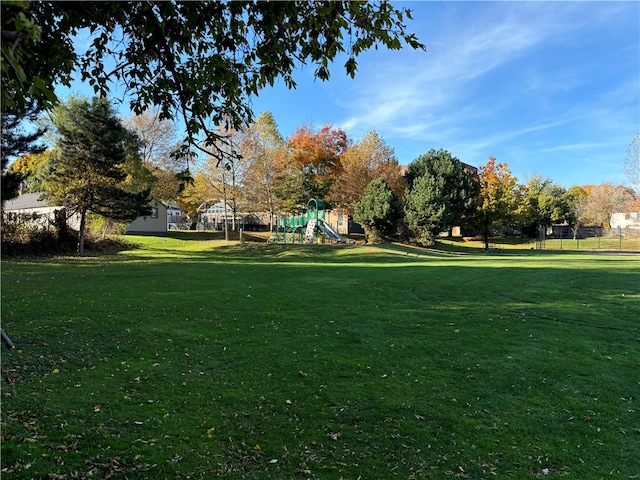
<point x="363" y="162"/>
<point x="497" y="200"/>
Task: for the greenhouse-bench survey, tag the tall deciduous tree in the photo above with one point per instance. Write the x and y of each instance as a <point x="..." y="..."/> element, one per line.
<point x="575" y="199"/>
<point x="225" y="181"/>
<point x="265" y="151"/>
<point x="200" y="60"/>
<point x="442" y="194"/>
<point x="361" y="163"/>
<point x="317" y="156"/>
<point x="602" y="201"/>
<point x="194" y="195"/>
<point x="158" y="138"/>
<point x="378" y="211"/>
<point x="158" y="143"/>
<point x="543" y="202"/>
<point x="497" y="198"/>
<point x="89" y="171"/>
<point x="632" y="164"/>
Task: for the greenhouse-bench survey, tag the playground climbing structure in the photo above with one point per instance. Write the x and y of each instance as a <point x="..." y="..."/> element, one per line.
<point x="308" y="228"/>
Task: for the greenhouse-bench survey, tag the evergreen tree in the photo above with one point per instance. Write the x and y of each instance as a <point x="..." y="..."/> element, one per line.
<point x="442" y="194"/>
<point x="425" y="209"/>
<point x="17" y="142"/>
<point x="88" y="173"/>
<point x="378" y="211"/>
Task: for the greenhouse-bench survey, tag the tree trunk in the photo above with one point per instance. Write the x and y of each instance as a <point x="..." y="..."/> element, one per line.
<point x="83" y="225"/>
<point x="486" y="236"/>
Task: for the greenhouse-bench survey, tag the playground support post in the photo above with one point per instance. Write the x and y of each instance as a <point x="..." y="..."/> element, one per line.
<point x="6" y="340"/>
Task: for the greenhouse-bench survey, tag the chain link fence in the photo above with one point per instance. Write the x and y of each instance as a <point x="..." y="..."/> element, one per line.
<point x="560" y="237"/>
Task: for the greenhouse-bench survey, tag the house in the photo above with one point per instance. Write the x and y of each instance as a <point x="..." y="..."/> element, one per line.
<point x="625" y="220"/>
<point x="342" y="223"/>
<point x="45" y="214"/>
<point x="162" y="214"/>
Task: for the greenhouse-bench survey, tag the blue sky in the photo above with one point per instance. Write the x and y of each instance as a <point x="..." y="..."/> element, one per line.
<point x="550" y="88"/>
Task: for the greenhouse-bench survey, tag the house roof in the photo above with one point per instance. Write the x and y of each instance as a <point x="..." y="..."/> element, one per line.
<point x="26" y="201"/>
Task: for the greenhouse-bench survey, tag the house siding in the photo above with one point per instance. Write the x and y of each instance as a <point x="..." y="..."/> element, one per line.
<point x="155" y="223"/>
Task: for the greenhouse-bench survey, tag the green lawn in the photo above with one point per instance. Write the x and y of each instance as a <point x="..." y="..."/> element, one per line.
<point x="196" y="358"/>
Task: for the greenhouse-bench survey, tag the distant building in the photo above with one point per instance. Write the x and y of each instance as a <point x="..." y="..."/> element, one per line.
<point x="45" y="213"/>
<point x="156" y="223"/>
<point x="625" y="220"/>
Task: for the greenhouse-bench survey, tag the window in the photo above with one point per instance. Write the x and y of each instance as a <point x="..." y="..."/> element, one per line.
<point x="154" y="212"/>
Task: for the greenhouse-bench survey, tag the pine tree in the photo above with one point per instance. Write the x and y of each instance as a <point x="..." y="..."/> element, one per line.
<point x="17" y="142"/>
<point x="442" y="194"/>
<point x="88" y="173"/>
<point x="378" y="211"/>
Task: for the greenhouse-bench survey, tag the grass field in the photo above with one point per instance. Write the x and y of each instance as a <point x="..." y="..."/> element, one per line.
<point x="195" y="358"/>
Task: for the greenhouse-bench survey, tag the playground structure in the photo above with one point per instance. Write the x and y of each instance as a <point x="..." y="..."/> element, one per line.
<point x="308" y="228"/>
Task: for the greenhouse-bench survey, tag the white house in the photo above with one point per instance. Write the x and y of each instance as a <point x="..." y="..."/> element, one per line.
<point x="157" y="222"/>
<point x="625" y="220"/>
<point x="33" y="204"/>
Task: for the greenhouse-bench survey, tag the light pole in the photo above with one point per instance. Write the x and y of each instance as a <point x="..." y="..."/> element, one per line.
<point x="224" y="201"/>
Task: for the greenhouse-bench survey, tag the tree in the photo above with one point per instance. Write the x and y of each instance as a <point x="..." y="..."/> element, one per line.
<point x="224" y="181"/>
<point x="158" y="144"/>
<point x="602" y="201"/>
<point x="543" y="203"/>
<point x="497" y="199"/>
<point x="16" y="142"/>
<point x="576" y="199"/>
<point x="89" y="171"/>
<point x="442" y="194"/>
<point x="632" y="164"/>
<point x="378" y="211"/>
<point x="33" y="169"/>
<point x="158" y="138"/>
<point x="317" y="155"/>
<point x="198" y="60"/>
<point x="265" y="151"/>
<point x="361" y="163"/>
<point x="194" y="195"/>
<point x="290" y="189"/>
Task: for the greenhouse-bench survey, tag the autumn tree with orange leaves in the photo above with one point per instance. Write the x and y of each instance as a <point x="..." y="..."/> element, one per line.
<point x="318" y="158"/>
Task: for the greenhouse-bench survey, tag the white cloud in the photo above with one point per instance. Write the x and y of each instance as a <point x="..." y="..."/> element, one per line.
<point x="391" y="94"/>
<point x="412" y="94"/>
